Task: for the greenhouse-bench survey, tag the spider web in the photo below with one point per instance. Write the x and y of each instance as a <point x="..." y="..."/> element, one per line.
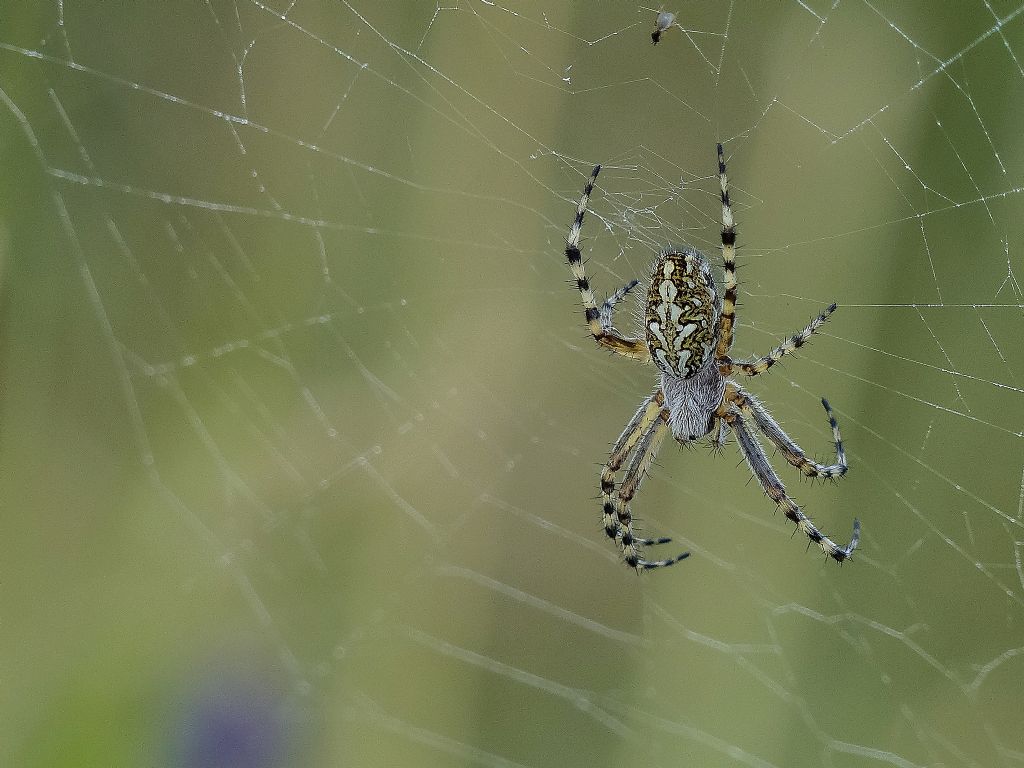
<point x="301" y="426"/>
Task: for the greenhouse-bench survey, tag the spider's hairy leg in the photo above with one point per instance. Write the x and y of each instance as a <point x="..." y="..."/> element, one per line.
<point x="572" y="253"/>
<point x="761" y="364"/>
<point x="794" y="454"/>
<point x="608" y="308"/>
<point x="635" y="473"/>
<point x="721" y="430"/>
<point x="645" y="415"/>
<point x="604" y="336"/>
<point x="837" y="439"/>
<point x="755" y="456"/>
<point x="728" y="319"/>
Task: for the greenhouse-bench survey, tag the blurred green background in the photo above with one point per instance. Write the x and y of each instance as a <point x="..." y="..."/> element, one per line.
<point x="301" y="427"/>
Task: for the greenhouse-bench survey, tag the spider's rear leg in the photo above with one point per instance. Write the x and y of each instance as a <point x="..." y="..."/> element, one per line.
<point x="840" y="466"/>
<point x="793" y="453"/>
<point x="650" y="542"/>
<point x="721" y="432"/>
<point x="646" y="449"/>
<point x="635" y="429"/>
<point x="752" y="451"/>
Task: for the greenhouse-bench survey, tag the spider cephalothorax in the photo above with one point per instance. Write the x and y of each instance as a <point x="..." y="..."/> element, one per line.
<point x="688" y="334"/>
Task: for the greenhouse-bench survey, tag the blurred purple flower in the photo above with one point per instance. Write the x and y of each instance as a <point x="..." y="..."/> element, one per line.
<point x="229" y="723"/>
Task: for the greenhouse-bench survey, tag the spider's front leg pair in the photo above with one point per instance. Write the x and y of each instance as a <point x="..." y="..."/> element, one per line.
<point x="599" y="320"/>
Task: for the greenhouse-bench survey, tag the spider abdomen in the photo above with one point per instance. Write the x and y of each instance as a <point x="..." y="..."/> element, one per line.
<point x="682" y="312"/>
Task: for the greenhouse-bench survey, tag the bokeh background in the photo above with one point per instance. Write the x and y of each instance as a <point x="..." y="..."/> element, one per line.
<point x="301" y="427"/>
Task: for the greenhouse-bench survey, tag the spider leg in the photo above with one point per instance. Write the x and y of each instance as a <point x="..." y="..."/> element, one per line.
<point x="635" y="473"/>
<point x="728" y="318"/>
<point x="635" y="429"/>
<point x="604" y="336"/>
<point x="608" y="308"/>
<point x="759" y="365"/>
<point x="794" y="454"/>
<point x="641" y="422"/>
<point x="755" y="456"/>
<point x="721" y="430"/>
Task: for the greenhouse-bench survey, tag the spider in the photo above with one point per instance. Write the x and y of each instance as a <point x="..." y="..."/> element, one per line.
<point x="688" y="335"/>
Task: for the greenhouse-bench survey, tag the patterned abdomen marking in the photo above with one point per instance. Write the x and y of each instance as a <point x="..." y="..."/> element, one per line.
<point x="682" y="312"/>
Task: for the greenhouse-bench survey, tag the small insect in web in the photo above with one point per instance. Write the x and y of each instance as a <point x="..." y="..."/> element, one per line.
<point x="688" y="335"/>
<point x="663" y="24"/>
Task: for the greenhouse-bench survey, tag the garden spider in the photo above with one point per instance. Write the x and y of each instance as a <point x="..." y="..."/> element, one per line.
<point x="688" y="335"/>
